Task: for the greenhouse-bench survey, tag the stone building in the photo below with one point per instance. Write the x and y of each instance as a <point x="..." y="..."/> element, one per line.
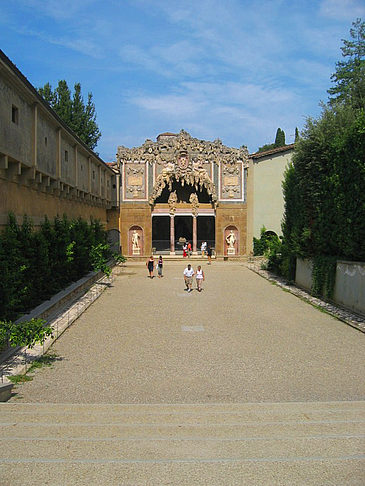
<point x="182" y="188"/>
<point x="45" y="169"/>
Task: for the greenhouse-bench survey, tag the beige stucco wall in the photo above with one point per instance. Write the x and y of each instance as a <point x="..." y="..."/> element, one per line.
<point x="44" y="168"/>
<point x="136" y="214"/>
<point x="21" y="200"/>
<point x="230" y="215"/>
<point x="16" y="139"/>
<point x="265" y="195"/>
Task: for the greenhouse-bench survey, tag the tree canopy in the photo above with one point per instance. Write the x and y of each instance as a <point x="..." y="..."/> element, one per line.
<point x="72" y="110"/>
<point x="349" y="78"/>
<point x="324" y="187"/>
<point x="279" y="141"/>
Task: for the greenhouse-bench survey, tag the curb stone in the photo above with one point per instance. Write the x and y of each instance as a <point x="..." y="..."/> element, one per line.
<point x="16" y="364"/>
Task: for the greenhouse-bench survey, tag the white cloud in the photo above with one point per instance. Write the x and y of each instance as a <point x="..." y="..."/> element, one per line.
<point x="228" y="110"/>
<point x="342" y="9"/>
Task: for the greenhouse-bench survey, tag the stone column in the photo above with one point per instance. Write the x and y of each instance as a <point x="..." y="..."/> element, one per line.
<point x="195" y="235"/>
<point x="172" y="234"/>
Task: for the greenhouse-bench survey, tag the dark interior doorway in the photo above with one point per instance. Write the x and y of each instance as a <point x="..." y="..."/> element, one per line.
<point x="183" y="193"/>
<point x="183" y="229"/>
<point x="206" y="230"/>
<point x="161" y="233"/>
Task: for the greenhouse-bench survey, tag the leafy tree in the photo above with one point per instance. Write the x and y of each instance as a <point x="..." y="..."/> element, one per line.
<point x="349" y="77"/>
<point x="266" y="147"/>
<point x="324" y="188"/>
<point x="28" y="333"/>
<point x="72" y="110"/>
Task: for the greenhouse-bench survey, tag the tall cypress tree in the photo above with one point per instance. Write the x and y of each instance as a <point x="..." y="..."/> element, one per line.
<point x="296" y="139"/>
<point x="280" y="138"/>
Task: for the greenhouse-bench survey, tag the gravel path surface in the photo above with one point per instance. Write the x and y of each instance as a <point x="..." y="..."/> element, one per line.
<point x="240" y="340"/>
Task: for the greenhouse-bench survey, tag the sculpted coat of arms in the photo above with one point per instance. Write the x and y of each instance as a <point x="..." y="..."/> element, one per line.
<point x="183" y="162"/>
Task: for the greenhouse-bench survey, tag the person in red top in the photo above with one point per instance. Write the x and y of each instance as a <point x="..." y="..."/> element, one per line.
<point x="189" y="249"/>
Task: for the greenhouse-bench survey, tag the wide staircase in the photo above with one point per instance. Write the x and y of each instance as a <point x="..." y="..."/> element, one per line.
<point x="311" y="443"/>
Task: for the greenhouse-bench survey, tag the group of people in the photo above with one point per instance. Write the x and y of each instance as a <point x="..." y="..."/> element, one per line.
<point x="188" y="273"/>
<point x="150" y="264"/>
<point x="187" y="250"/>
<point x="205" y="249"/>
<point x="188" y="278"/>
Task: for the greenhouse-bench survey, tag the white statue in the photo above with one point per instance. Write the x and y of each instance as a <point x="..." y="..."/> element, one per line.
<point x="135" y="240"/>
<point x="231" y="239"/>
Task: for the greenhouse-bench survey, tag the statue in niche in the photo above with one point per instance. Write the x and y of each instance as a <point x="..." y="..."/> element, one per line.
<point x="231" y="239"/>
<point x="135" y="240"/>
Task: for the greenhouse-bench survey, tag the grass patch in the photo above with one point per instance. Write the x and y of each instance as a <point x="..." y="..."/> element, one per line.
<point x="45" y="360"/>
<point x="18" y="379"/>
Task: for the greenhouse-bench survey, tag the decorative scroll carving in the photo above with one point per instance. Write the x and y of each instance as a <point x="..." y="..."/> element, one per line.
<point x="231" y="181"/>
<point x="135" y="181"/>
<point x="194" y="201"/>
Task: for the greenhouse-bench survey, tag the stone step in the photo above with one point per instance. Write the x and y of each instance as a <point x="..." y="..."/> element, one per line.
<point x="234" y="443"/>
<point x="121" y="450"/>
<point x="197" y="413"/>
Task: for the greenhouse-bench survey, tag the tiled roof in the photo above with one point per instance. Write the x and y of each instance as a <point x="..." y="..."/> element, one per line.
<point x="286" y="148"/>
<point x="167" y="134"/>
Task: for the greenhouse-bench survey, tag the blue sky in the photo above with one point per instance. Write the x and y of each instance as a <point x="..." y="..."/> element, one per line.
<point x="229" y="69"/>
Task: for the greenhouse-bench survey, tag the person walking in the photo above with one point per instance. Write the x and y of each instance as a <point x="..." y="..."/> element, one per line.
<point x="159" y="266"/>
<point x="185" y="248"/>
<point x="150" y="264"/>
<point x="188" y="277"/>
<point x="209" y="254"/>
<point x="203" y="247"/>
<point x="199" y="277"/>
<point x="189" y="249"/>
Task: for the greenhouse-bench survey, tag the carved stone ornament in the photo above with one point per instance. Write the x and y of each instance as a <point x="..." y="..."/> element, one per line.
<point x="134" y="183"/>
<point x="184" y="159"/>
<point x="194" y="201"/>
<point x="172" y="201"/>
<point x="231" y="181"/>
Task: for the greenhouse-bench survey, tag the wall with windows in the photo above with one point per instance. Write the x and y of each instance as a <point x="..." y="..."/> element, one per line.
<point x="45" y="169"/>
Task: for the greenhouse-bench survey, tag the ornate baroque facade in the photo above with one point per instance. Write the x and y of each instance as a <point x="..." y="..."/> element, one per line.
<point x="180" y="187"/>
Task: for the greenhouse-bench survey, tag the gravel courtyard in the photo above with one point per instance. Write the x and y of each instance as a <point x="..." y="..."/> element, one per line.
<point x="240" y="340"/>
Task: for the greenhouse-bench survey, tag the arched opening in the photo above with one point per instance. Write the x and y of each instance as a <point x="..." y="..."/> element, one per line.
<point x="183" y="193"/>
<point x="231" y="241"/>
<point x="271" y="234"/>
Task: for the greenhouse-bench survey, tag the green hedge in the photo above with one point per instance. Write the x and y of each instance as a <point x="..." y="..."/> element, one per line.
<point x="36" y="264"/>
